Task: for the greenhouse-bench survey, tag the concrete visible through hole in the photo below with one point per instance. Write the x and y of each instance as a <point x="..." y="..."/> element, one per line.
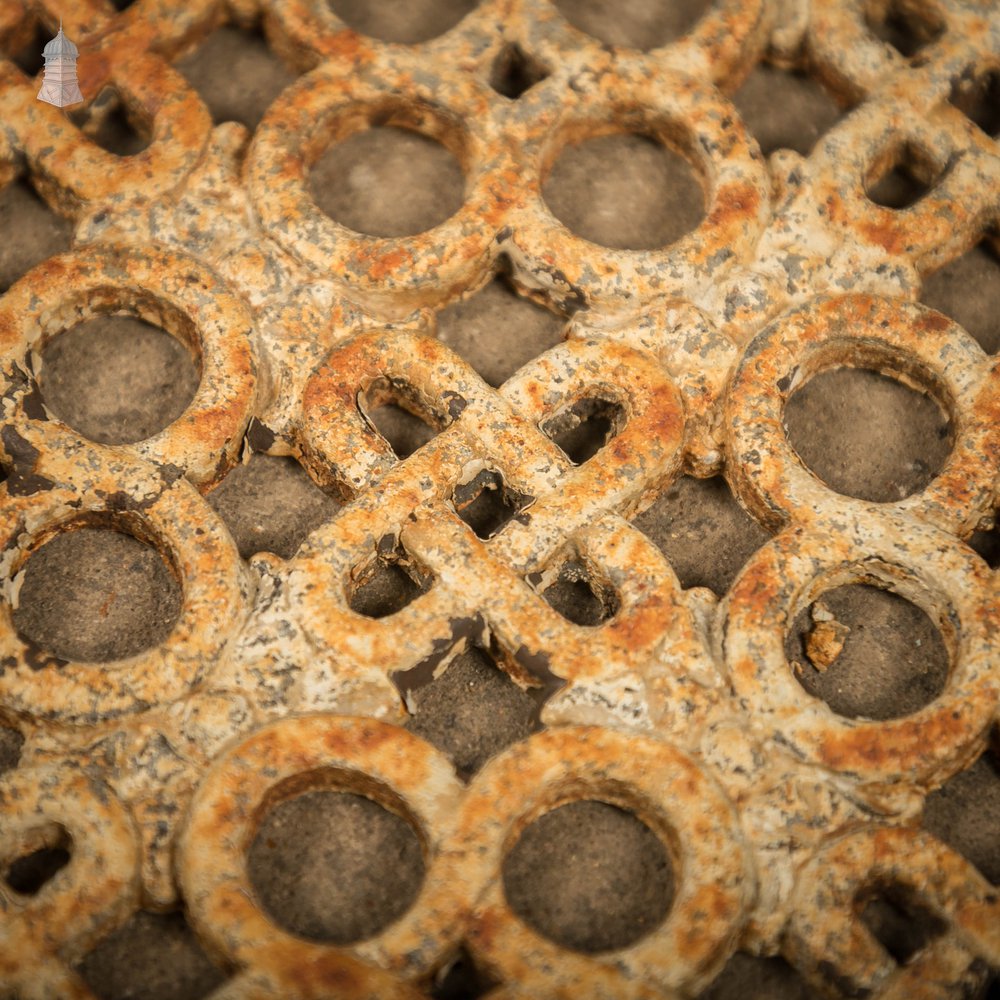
<point x="868" y="653"/>
<point x="705" y="534"/>
<point x="96" y="594"/>
<point x="636" y="24"/>
<point x="626" y="191"/>
<point x="405" y="21"/>
<point x="867" y="435"/>
<point x="388" y="181"/>
<point x="335" y="866"/>
<point x="471" y="711"/>
<point x="497" y="331"/>
<point x="622" y="882"/>
<point x="117" y="379"/>
<point x="155" y="956"/>
<point x="271" y="505"/>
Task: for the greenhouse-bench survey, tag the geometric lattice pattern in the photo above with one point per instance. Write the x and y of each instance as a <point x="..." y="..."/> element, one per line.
<point x="777" y="813"/>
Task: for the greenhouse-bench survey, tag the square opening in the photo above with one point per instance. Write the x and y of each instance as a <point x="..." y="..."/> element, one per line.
<point x="906" y="25"/>
<point x="584" y="428"/>
<point x="578" y="594"/>
<point x="978" y="98"/>
<point x="903" y="177"/>
<point x="394" y="410"/>
<point x="900" y="922"/>
<point x="514" y="72"/>
<point x="389" y="582"/>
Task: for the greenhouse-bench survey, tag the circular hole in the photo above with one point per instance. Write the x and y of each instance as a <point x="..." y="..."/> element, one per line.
<point x="335" y="867"/>
<point x="590" y="877"/>
<point x="626" y="191"/>
<point x="45" y="852"/>
<point x="868" y="652"/>
<point x="637" y="24"/>
<point x="96" y="594"/>
<point x="388" y="181"/>
<point x="117" y="379"/>
<point x="867" y="435"/>
<point x="403" y="21"/>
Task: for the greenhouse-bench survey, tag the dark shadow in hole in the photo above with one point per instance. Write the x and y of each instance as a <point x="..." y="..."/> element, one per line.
<point x="589" y="876"/>
<point x="271" y="505"/>
<point x="968" y="291"/>
<point x="964" y="813"/>
<point x="460" y="979"/>
<point x="584" y="428"/>
<point x="899" y="921"/>
<point x="514" y="72"/>
<point x="703" y="531"/>
<point x="28" y="874"/>
<point x="486" y="503"/>
<point x="498" y="331"/>
<point x="30" y="59"/>
<point x="393" y="409"/>
<point x="11" y="744"/>
<point x="108" y="123"/>
<point x="254" y="76"/>
<point x="747" y="976"/>
<point x="987" y="544"/>
<point x="96" y="594"/>
<point x="906" y="177"/>
<point x="472" y="710"/>
<point x="889" y="661"/>
<point x="978" y="98"/>
<point x="627" y="191"/>
<point x="390" y="583"/>
<point x="785" y="110"/>
<point x="579" y="598"/>
<point x="121" y="5"/>
<point x="906" y="28"/>
<point x="155" y="956"/>
<point x="868" y="435"/>
<point x="117" y="379"/>
<point x="335" y="866"/>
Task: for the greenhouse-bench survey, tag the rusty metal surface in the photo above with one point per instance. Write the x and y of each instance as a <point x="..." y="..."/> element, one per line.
<point x="681" y="708"/>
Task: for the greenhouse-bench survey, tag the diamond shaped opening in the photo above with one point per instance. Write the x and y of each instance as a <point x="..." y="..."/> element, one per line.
<point x="270" y="504"/>
<point x="486" y="503"/>
<point x="579" y="596"/>
<point x="156" y="956"/>
<point x="499" y="331"/>
<point x="461" y="979"/>
<point x="623" y="884"/>
<point x="47" y="852"/>
<point x="978" y="98"/>
<point x="389" y="582"/>
<point x="253" y="78"/>
<point x="514" y="72"/>
<point x="785" y="110"/>
<point x="584" y="428"/>
<point x="898" y="920"/>
<point x="906" y="25"/>
<point x="469" y="707"/>
<point x="394" y="409"/>
<point x="118" y="379"/>
<point x="109" y="122"/>
<point x="968" y="290"/>
<point x="964" y="812"/>
<point x="334" y="866"/>
<point x="94" y="593"/>
<point x="703" y="531"/>
<point x="903" y="177"/>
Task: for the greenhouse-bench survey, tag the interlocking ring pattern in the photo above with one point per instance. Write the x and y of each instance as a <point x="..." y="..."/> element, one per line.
<point x="776" y="812"/>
